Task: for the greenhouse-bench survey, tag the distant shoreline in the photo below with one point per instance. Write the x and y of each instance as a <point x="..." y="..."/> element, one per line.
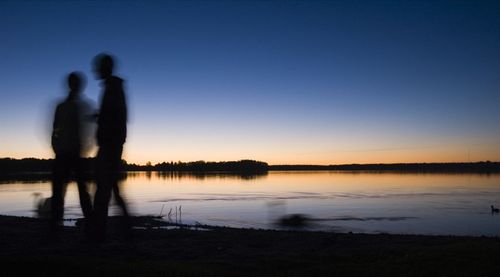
<point x="476" y="167"/>
<point x="9" y="166"/>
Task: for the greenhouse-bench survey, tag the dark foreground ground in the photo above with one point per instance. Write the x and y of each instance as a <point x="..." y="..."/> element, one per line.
<point x="235" y="252"/>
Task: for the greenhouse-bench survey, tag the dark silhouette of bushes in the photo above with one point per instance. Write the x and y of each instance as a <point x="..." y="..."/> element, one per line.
<point x="478" y="167"/>
<point x="9" y="166"/>
<point x="202" y="166"/>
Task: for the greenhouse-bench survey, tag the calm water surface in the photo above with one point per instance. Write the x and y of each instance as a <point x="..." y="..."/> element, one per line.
<point x="457" y="204"/>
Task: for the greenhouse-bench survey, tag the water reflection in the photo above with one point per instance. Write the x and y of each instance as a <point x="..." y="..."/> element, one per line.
<point x="331" y="201"/>
<point x="42" y="177"/>
<point x="172" y="175"/>
<point x="177" y="175"/>
<point x="25" y="178"/>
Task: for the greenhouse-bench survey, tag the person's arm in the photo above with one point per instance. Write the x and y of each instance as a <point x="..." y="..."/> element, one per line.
<point x="55" y="131"/>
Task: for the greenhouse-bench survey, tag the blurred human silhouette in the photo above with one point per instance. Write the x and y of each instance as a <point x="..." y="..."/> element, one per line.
<point x="69" y="142"/>
<point x="111" y="135"/>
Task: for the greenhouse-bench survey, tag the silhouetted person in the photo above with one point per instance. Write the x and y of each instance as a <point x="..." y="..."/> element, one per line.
<point x="69" y="142"/>
<point x="111" y="135"/>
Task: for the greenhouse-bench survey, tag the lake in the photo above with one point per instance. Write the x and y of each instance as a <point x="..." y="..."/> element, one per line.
<point x="360" y="202"/>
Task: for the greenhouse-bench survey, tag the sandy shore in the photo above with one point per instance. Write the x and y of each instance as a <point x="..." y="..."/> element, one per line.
<point x="24" y="250"/>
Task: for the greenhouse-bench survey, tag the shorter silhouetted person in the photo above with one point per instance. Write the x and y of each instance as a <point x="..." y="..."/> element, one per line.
<point x="111" y="135"/>
<point x="69" y="141"/>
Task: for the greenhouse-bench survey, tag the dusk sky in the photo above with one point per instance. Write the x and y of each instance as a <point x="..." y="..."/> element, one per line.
<point x="308" y="82"/>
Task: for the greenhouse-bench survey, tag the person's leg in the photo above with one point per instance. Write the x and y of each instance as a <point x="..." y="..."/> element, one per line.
<point x="115" y="178"/>
<point x="117" y="160"/>
<point x="119" y="199"/>
<point x="114" y="175"/>
<point x="103" y="192"/>
<point x="83" y="193"/>
<point x="59" y="180"/>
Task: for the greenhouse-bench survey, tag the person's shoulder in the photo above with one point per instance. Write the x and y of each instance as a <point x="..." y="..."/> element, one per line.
<point x="115" y="81"/>
<point x="61" y="103"/>
<point x="117" y="78"/>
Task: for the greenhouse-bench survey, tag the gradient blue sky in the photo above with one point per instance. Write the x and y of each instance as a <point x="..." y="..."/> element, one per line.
<point x="281" y="81"/>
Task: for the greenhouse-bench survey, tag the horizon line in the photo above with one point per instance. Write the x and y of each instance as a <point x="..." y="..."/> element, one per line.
<point x="239" y="160"/>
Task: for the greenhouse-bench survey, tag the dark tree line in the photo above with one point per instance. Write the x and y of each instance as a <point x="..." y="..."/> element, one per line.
<point x="478" y="167"/>
<point x="232" y="166"/>
<point x="10" y="166"/>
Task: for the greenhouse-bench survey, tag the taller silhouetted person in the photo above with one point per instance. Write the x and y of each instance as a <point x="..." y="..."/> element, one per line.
<point x="69" y="142"/>
<point x="111" y="135"/>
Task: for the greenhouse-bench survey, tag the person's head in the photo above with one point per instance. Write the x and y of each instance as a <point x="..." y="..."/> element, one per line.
<point x="76" y="81"/>
<point x="103" y="66"/>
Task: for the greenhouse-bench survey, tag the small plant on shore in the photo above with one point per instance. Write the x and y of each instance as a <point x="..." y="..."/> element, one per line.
<point x="177" y="213"/>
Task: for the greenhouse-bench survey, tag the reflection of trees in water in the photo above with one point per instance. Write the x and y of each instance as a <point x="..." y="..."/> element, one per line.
<point x="28" y="178"/>
<point x="36" y="177"/>
<point x="31" y="170"/>
<point x="39" y="170"/>
<point x="244" y="169"/>
<point x="25" y="178"/>
<point x="44" y="177"/>
<point x="210" y="174"/>
<point x="176" y="175"/>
